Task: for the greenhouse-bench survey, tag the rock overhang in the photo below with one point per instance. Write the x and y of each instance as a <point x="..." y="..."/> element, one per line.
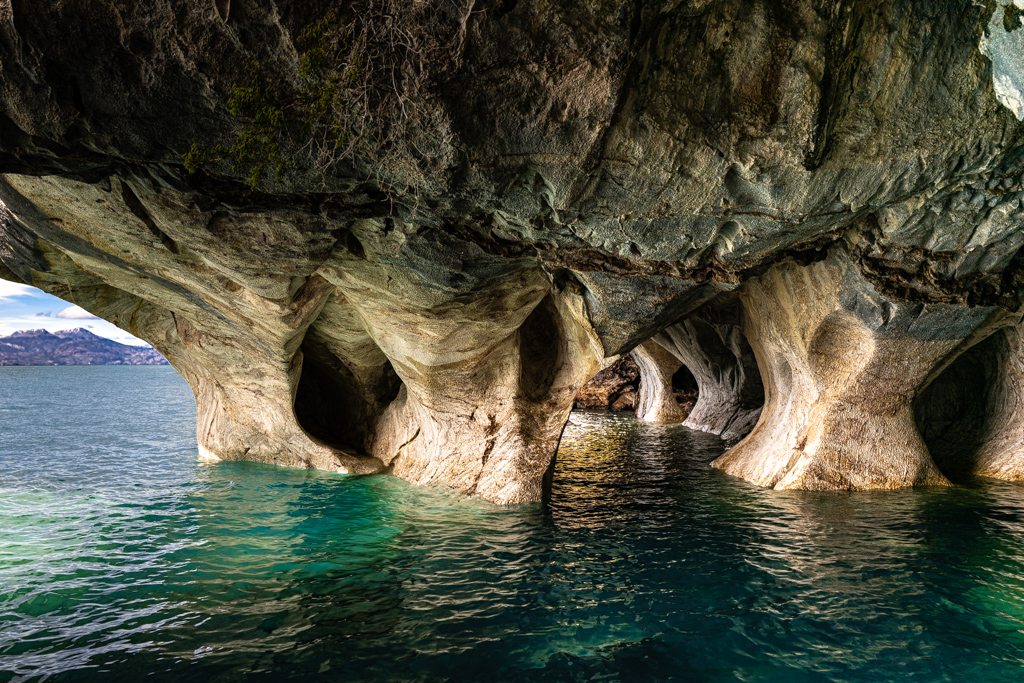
<point x="613" y="168"/>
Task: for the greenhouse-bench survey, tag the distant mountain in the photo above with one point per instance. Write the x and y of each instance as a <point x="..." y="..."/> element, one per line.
<point x="71" y="347"/>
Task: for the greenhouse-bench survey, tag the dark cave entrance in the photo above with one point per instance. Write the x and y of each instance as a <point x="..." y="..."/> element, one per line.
<point x="333" y="406"/>
<point x="614" y="388"/>
<point x="954" y="413"/>
<point x="685" y="388"/>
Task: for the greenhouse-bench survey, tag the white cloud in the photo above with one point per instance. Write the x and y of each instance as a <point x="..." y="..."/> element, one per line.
<point x="21" y="305"/>
<point x="75" y="313"/>
<point x="9" y="290"/>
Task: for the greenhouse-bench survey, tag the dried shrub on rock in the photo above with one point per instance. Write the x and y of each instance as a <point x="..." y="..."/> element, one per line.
<point x="359" y="101"/>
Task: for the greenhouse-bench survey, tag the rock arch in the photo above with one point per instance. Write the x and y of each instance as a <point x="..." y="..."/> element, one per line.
<point x="656" y="401"/>
<point x="843" y="366"/>
<point x="972" y="415"/>
<point x="712" y="345"/>
<point x="576" y="194"/>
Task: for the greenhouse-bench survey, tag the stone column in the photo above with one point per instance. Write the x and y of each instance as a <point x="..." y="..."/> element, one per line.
<point x="657" y="403"/>
<point x="842" y="365"/>
<point x="711" y="344"/>
<point x="489" y="378"/>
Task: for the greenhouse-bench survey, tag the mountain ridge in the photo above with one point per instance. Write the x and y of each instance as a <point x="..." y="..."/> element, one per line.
<point x="71" y="347"/>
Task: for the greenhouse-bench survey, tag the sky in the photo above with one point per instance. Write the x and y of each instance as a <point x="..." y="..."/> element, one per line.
<point x="27" y="308"/>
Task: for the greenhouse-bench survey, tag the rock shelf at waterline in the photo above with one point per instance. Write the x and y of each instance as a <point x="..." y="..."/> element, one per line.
<point x="402" y="241"/>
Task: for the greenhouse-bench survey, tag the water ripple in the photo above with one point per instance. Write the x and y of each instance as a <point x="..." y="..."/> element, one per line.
<point x="120" y="556"/>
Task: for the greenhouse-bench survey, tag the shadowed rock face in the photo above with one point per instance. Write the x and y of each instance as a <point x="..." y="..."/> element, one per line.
<point x="972" y="416"/>
<point x="842" y="366"/>
<point x="613" y="388"/>
<point x="605" y="170"/>
<point x="712" y="345"/>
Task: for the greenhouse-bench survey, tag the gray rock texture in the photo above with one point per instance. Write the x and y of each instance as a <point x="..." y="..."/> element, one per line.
<point x="524" y="191"/>
<point x="712" y="345"/>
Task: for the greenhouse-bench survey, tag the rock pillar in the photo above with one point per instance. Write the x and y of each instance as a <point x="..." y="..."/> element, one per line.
<point x="657" y="403"/>
<point x="711" y="344"/>
<point x="488" y="380"/>
<point x="842" y="366"/>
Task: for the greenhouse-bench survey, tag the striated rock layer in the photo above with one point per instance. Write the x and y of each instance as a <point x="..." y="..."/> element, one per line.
<point x="505" y="197"/>
<point x="712" y="345"/>
<point x="657" y="401"/>
<point x="842" y="367"/>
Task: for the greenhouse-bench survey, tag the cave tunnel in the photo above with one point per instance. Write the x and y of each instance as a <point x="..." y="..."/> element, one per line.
<point x="685" y="388"/>
<point x="956" y="412"/>
<point x="334" y="406"/>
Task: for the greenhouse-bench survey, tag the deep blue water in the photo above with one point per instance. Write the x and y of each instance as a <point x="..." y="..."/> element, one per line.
<point x="123" y="559"/>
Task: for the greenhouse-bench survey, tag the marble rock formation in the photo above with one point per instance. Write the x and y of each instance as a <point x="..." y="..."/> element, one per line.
<point x="413" y="265"/>
<point x="712" y="345"/>
<point x="657" y="401"/>
<point x="972" y="416"/>
<point x="843" y="365"/>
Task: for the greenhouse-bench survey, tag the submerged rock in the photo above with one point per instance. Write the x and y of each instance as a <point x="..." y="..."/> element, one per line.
<point x="415" y="265"/>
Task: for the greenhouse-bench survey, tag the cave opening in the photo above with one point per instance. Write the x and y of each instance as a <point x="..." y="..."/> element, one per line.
<point x="685" y="388"/>
<point x="334" y="406"/>
<point x="954" y="413"/>
<point x="542" y="351"/>
<point x="614" y="388"/>
<point x="683" y="380"/>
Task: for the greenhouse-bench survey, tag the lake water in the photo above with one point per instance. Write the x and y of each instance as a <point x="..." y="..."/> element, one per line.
<point x="123" y="559"/>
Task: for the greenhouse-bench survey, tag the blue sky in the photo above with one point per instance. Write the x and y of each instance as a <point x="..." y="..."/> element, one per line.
<point x="27" y="308"/>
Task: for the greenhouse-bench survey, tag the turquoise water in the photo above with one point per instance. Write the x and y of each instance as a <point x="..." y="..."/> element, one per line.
<point x="121" y="558"/>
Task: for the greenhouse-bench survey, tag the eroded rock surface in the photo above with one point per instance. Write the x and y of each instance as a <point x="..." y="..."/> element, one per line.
<point x="656" y="401"/>
<point x="558" y="183"/>
<point x="712" y="345"/>
<point x="842" y="367"/>
<point x="972" y="416"/>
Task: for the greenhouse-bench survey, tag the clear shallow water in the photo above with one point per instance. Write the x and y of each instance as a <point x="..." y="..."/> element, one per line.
<point x="121" y="557"/>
